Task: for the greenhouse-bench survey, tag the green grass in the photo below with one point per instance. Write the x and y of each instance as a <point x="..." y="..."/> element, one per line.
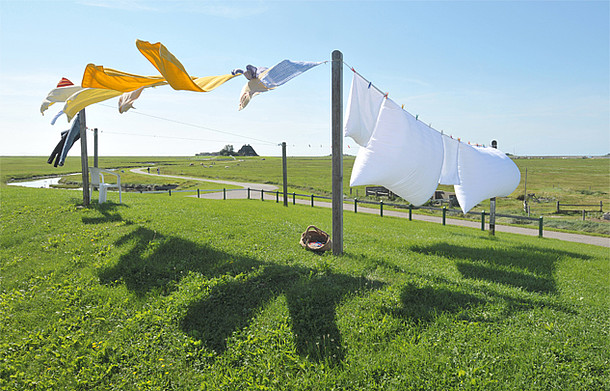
<point x="163" y="293"/>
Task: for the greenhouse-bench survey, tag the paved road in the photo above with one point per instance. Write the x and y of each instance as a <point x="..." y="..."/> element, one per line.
<point x="256" y="194"/>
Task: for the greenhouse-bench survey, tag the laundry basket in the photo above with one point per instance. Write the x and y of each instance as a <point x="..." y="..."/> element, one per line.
<point x="314" y="239"/>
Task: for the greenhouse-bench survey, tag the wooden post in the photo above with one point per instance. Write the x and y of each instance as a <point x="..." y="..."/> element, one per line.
<point x="284" y="174"/>
<point x="337" y="149"/>
<point x="492" y="204"/>
<point x="95" y="155"/>
<point x="83" y="157"/>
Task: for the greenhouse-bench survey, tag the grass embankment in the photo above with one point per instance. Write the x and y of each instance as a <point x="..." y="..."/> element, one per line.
<point x="164" y="293"/>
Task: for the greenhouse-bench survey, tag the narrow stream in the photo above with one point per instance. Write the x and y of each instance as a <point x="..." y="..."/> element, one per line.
<point x="38" y="183"/>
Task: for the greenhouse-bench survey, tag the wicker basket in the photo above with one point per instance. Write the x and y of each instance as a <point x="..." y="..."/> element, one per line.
<point x="314" y="239"/>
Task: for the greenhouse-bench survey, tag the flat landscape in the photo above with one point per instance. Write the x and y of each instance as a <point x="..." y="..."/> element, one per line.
<point x="165" y="293"/>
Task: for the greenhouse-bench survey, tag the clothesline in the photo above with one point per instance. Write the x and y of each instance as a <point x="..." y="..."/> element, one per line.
<point x="386" y="94"/>
<point x="197" y="126"/>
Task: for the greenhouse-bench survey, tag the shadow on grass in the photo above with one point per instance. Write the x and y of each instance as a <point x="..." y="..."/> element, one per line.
<point x="474" y="303"/>
<point x="530" y="268"/>
<point x="109" y="211"/>
<point x="156" y="264"/>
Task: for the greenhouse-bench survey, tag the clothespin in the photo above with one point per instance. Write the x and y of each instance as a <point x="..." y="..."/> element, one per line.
<point x="403" y="107"/>
<point x="459" y="140"/>
<point x="468" y="142"/>
<point x="430" y="124"/>
<point x="386" y="95"/>
<point x="353" y="70"/>
<point x="370" y="84"/>
<point x="416" y="116"/>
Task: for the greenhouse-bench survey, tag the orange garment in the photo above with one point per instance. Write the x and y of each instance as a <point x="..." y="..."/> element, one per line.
<point x="96" y="76"/>
<point x="173" y="71"/>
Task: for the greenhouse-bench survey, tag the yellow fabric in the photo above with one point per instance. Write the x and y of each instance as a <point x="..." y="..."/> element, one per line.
<point x="96" y="76"/>
<point x="84" y="98"/>
<point x="208" y="83"/>
<point x="173" y="71"/>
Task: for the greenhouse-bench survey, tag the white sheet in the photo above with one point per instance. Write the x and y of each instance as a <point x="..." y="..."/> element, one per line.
<point x="403" y="154"/>
<point x="363" y="107"/>
<point x="484" y="173"/>
<point x="449" y="172"/>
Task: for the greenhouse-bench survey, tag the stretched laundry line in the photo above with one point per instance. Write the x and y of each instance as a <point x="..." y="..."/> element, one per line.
<point x="167" y="137"/>
<point x="386" y="95"/>
<point x="197" y="126"/>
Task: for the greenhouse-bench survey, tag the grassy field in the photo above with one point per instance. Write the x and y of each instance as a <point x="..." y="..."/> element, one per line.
<point x="573" y="181"/>
<point x="175" y="293"/>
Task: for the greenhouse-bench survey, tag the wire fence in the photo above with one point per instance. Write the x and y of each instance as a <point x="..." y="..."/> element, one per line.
<point x="310" y="198"/>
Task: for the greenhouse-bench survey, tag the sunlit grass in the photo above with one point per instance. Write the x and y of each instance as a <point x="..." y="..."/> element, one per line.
<point x="179" y="293"/>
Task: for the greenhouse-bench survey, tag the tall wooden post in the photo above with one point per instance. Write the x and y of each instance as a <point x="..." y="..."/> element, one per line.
<point x="337" y="149"/>
<point x="284" y="174"/>
<point x="83" y="157"/>
<point x="95" y="155"/>
<point x="492" y="204"/>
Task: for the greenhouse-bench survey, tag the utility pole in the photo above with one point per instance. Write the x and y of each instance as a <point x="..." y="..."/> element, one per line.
<point x="83" y="156"/>
<point x="492" y="204"/>
<point x="95" y="155"/>
<point x="284" y="174"/>
<point x="337" y="149"/>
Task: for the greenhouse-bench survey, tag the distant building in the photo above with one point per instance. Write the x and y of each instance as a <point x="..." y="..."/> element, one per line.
<point x="246" y="150"/>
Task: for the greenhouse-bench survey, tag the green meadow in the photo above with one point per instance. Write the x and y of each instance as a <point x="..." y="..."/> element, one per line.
<point x="549" y="180"/>
<point x="180" y="293"/>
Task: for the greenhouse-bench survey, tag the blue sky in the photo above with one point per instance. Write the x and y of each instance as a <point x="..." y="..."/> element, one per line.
<point x="533" y="75"/>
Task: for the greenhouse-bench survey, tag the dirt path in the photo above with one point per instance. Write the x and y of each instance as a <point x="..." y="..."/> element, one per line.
<point x="256" y="194"/>
<point x="245" y="185"/>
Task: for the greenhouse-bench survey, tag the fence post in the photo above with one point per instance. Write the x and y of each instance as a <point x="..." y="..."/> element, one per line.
<point x="381" y="208"/>
<point x="224" y="193"/>
<point x="262" y="195"/>
<point x="557" y="207"/>
<point x="170" y="192"/>
<point x="277" y="196"/>
<point x="312" y="200"/>
<point x="198" y="193"/>
<point x="444" y="214"/>
<point x="355" y="205"/>
<point x="410" y="212"/>
<point x="584" y="215"/>
<point x="248" y="193"/>
<point x="294" y="200"/>
<point x="483" y="221"/>
<point x="540" y="227"/>
<point x="600" y="207"/>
